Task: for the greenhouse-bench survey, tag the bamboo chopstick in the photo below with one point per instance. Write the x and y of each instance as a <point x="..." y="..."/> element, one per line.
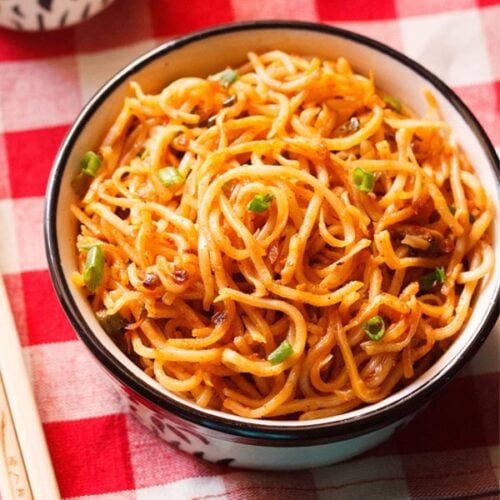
<point x="25" y="467"/>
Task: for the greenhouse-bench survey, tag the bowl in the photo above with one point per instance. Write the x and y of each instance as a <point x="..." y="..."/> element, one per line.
<point x="217" y="436"/>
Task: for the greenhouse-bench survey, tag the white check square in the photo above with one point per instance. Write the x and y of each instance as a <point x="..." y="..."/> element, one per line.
<point x="450" y="44"/>
<point x="97" y="68"/>
<point x="186" y="489"/>
<point x="303" y="10"/>
<point x="82" y="392"/>
<point x="39" y="93"/>
<point x="28" y="214"/>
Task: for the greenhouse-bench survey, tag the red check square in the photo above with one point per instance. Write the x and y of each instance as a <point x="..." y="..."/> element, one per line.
<point x="172" y="18"/>
<point x="91" y="456"/>
<point x="450" y="473"/>
<point x="455" y="409"/>
<point x="487" y="3"/>
<point x="483" y="100"/>
<point x="22" y="45"/>
<point x="123" y="23"/>
<point x="41" y="301"/>
<point x="355" y="10"/>
<point x="31" y="154"/>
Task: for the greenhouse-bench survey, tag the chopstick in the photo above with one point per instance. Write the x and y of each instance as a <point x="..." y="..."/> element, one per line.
<point x="25" y="467"/>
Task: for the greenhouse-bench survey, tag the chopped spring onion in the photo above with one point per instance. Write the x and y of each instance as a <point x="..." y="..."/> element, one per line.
<point x="227" y="77"/>
<point x="427" y="281"/>
<point x="374" y="327"/>
<point x="90" y="163"/>
<point x="93" y="272"/>
<point x="170" y="176"/>
<point x="88" y="246"/>
<point x="89" y="166"/>
<point x="453" y="209"/>
<point x="364" y="181"/>
<point x="112" y="324"/>
<point x="260" y="203"/>
<point x="394" y="103"/>
<point x="283" y="351"/>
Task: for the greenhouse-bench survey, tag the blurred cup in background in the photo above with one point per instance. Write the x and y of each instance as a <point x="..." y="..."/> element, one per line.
<point x="41" y="15"/>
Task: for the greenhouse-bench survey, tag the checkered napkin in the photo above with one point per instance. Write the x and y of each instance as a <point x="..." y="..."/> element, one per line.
<point x="99" y="451"/>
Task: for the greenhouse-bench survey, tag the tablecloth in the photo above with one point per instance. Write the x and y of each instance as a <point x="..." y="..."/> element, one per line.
<point x="99" y="451"/>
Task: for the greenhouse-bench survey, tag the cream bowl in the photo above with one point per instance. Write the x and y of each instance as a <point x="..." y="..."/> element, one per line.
<point x="217" y="436"/>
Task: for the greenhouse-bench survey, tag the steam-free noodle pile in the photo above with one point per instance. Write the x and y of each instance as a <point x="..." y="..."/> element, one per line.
<point x="280" y="240"/>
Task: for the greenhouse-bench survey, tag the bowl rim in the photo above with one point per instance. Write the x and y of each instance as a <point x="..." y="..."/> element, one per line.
<point x="321" y="431"/>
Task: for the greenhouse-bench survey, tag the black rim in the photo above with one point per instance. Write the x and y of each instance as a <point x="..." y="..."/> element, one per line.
<point x="258" y="433"/>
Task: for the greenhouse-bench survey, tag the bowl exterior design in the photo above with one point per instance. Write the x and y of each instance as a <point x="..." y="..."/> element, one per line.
<point x="224" y="438"/>
<point x="227" y="449"/>
<point x="42" y="15"/>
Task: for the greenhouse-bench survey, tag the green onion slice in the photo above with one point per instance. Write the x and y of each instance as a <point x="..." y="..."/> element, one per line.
<point x="112" y="324"/>
<point x="90" y="163"/>
<point x="374" y="328"/>
<point x="394" y="103"/>
<point x="93" y="272"/>
<point x="170" y="176"/>
<point x="452" y="208"/>
<point x="260" y="203"/>
<point x="427" y="281"/>
<point x="364" y="181"/>
<point x="88" y="246"/>
<point x="227" y="77"/>
<point x="282" y="352"/>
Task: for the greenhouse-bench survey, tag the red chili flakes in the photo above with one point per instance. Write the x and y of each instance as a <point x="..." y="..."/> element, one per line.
<point x="151" y="280"/>
<point x="219" y="317"/>
<point x="180" y="276"/>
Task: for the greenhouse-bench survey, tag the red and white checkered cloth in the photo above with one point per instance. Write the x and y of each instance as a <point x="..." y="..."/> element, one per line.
<point x="100" y="452"/>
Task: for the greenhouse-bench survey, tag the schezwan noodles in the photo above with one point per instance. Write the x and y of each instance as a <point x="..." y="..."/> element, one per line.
<point x="280" y="239"/>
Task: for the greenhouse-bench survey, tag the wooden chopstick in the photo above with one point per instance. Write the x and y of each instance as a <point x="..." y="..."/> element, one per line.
<point x="26" y="470"/>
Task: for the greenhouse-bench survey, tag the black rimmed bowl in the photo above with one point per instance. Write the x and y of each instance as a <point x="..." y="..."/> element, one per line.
<point x="217" y="436"/>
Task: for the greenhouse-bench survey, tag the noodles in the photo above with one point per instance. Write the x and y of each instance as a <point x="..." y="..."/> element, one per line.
<point x="281" y="240"/>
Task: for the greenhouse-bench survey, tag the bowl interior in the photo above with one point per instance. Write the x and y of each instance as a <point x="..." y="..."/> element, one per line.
<point x="201" y="55"/>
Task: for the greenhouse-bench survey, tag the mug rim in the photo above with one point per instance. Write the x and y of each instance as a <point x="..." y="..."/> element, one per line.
<point x="321" y="431"/>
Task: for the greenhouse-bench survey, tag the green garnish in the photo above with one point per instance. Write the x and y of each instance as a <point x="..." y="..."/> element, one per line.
<point x="170" y="176"/>
<point x="90" y="163"/>
<point x="364" y="181"/>
<point x="88" y="246"/>
<point x="260" y="203"/>
<point x="112" y="324"/>
<point x="283" y="351"/>
<point x="394" y="103"/>
<point x="427" y="281"/>
<point x="93" y="272"/>
<point x="227" y="77"/>
<point x="452" y="208"/>
<point x="374" y="327"/>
